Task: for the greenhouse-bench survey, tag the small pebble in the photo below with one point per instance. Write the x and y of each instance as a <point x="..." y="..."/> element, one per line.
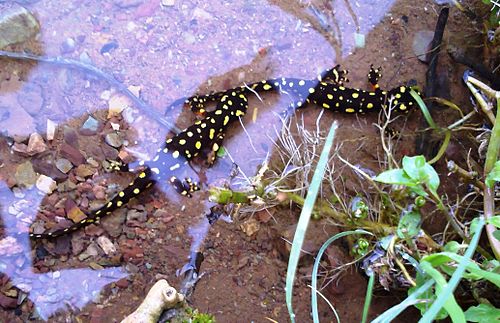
<point x="113" y="139"/>
<point x="105" y="95"/>
<point x="36" y="144"/>
<point x="68" y="46"/>
<point x="85" y="58"/>
<point x="167" y="3"/>
<point x="106" y="245"/>
<point x="135" y="215"/>
<point x="116" y="104"/>
<point x="25" y="175"/>
<point x="51" y="129"/>
<point x="250" y="227"/>
<point x="18" y="193"/>
<point x="76" y="215"/>
<point x="84" y="170"/>
<point x="46" y="184"/>
<point x="108" y="47"/>
<point x="135" y="89"/>
<point x="90" y="124"/>
<point x="421" y="44"/>
<point x="64" y="165"/>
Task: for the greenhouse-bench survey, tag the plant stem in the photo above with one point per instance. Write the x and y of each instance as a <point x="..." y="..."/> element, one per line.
<point x="489" y="193"/>
<point x="325" y="209"/>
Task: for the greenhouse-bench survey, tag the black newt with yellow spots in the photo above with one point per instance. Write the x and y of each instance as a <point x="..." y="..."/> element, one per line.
<point x="205" y="136"/>
<point x="326" y="91"/>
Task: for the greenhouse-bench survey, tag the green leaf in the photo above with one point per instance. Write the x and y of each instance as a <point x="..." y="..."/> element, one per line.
<point x="482" y="313"/>
<point x="395" y="177"/>
<point x="386" y="241"/>
<point x="421" y="172"/>
<point x="418" y="189"/>
<point x="473" y="226"/>
<point x="494" y="220"/>
<point x="221" y="152"/>
<point x="409" y="225"/>
<point x="476" y="273"/>
<point x="432" y="179"/>
<point x="413" y="166"/>
<point x="453" y="246"/>
<point x="496" y="234"/>
<point x="493" y="175"/>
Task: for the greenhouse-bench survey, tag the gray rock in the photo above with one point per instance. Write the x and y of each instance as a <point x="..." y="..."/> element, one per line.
<point x="421" y="43"/>
<point x="135" y="215"/>
<point x="113" y="139"/>
<point x="68" y="46"/>
<point x="64" y="165"/>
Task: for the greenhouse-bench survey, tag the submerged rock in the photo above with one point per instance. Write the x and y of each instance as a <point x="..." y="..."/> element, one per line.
<point x="17" y="24"/>
<point x="46" y="184"/>
<point x="25" y="175"/>
<point x="421" y="44"/>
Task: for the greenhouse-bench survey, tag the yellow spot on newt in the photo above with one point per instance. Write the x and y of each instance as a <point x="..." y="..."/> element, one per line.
<point x="198" y="145"/>
<point x="349" y="110"/>
<point x="355" y="95"/>
<point x="267" y="87"/>
<point x="137" y="191"/>
<point x="142" y="175"/>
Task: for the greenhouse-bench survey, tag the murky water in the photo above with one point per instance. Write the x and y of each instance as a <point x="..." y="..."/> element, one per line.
<point x="162" y="51"/>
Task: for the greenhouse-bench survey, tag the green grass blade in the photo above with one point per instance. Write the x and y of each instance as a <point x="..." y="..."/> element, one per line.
<point x="304" y="218"/>
<point x="413" y="298"/>
<point x="447" y="292"/>
<point x="425" y="111"/>
<point x="314" y="279"/>
<point x="450" y="304"/>
<point x="368" y="297"/>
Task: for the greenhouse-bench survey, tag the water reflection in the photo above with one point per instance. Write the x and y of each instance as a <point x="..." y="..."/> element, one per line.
<point x="50" y="292"/>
